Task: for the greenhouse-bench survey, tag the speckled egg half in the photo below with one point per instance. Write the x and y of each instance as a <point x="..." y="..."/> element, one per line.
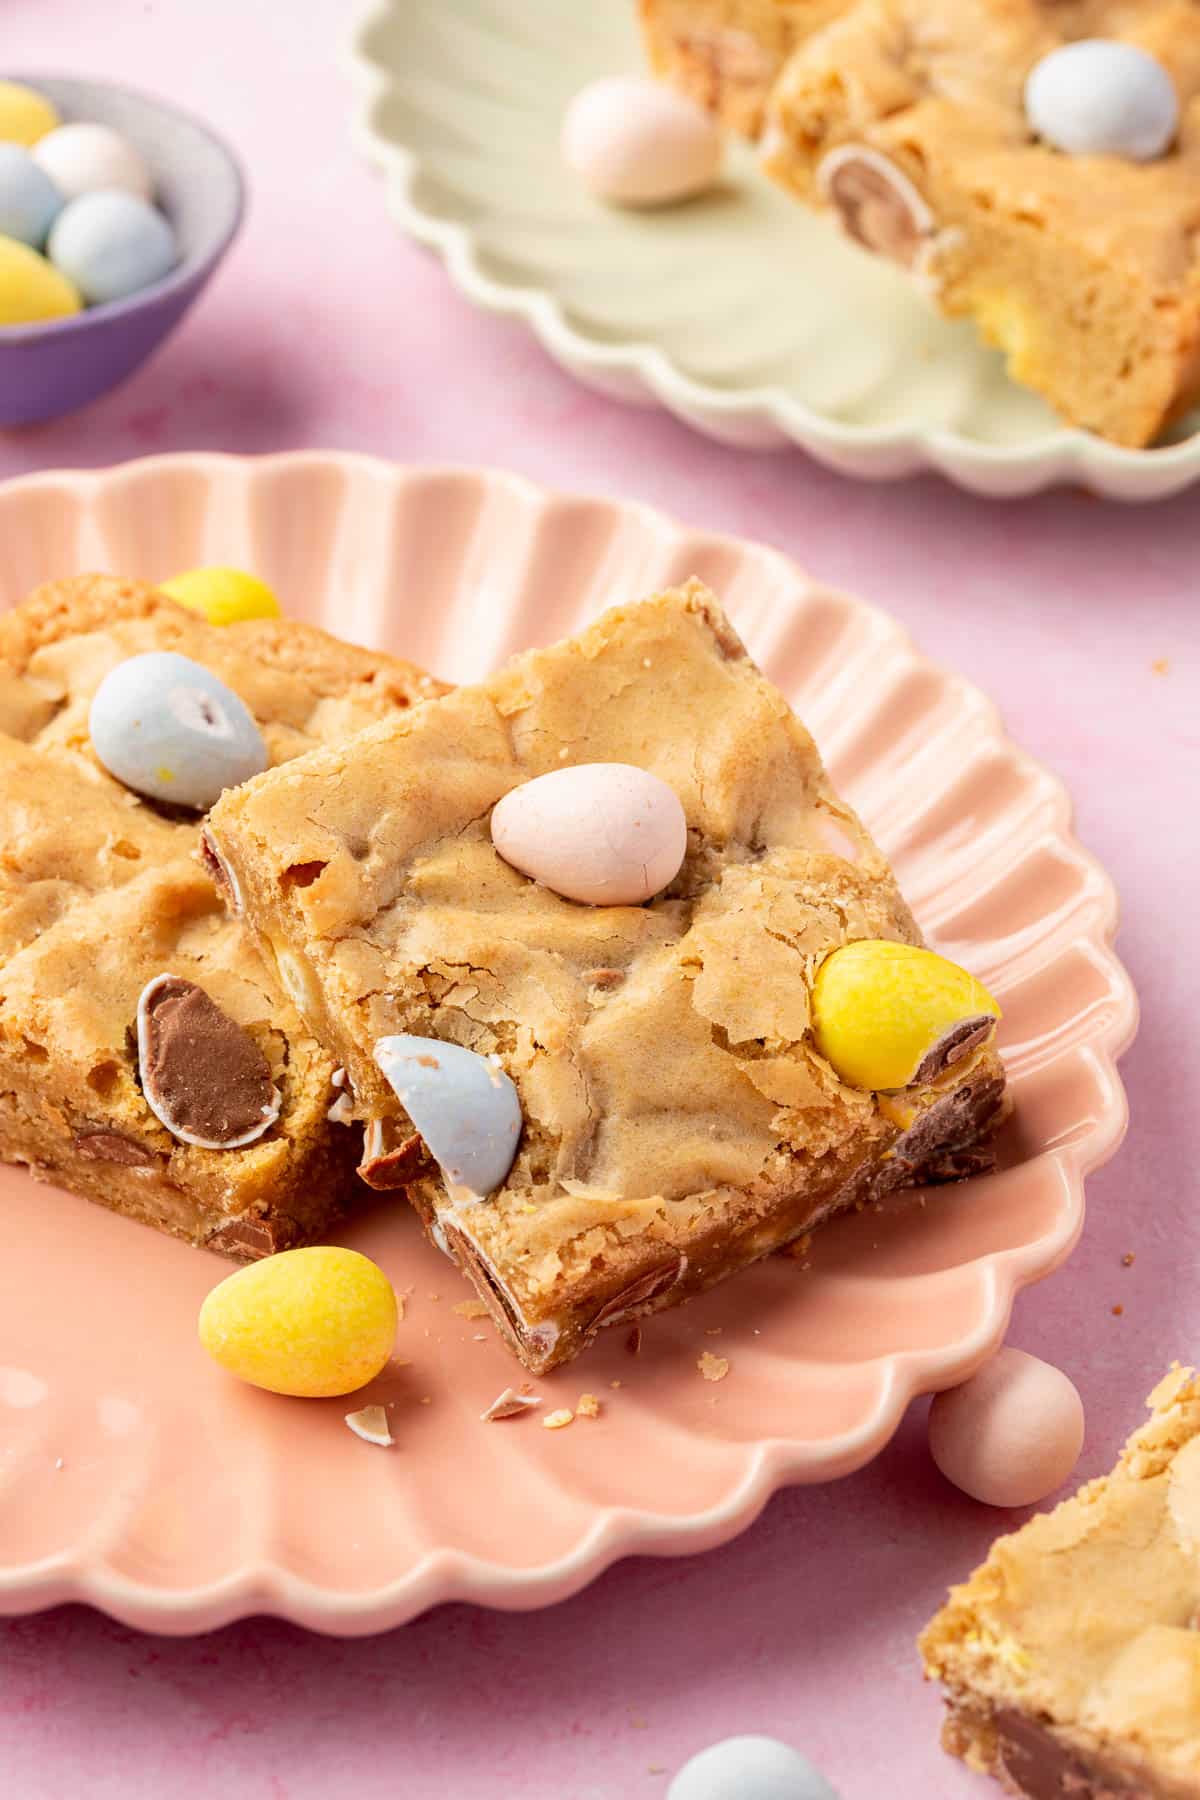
<point x="465" y="1107"/>
<point x="171" y="729"/>
<point x="606" y="834"/>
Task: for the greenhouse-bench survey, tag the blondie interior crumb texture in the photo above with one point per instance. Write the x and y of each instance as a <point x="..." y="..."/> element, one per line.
<point x="907" y="118"/>
<point x="1071" y="1659"/>
<point x="102" y="891"/>
<point x="678" y="1121"/>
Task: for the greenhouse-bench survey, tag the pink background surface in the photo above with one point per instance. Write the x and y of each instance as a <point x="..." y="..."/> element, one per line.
<point x="325" y="329"/>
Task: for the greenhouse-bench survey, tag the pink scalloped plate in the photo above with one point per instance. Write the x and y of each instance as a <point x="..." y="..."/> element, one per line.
<point x="137" y="1476"/>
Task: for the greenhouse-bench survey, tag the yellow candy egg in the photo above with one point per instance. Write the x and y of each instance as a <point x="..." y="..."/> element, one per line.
<point x="311" y="1322"/>
<point x="24" y="116"/>
<point x="890" y="1016"/>
<point x="223" y="596"/>
<point x="31" y="289"/>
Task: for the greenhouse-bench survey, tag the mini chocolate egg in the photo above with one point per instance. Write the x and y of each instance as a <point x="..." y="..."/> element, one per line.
<point x="31" y="289"/>
<point x="83" y="159"/>
<point x="111" y="245"/>
<point x="25" y="116"/>
<point x="1011" y="1434"/>
<point x="464" y="1106"/>
<point x="634" y="142"/>
<point x="313" y="1322"/>
<point x="223" y="596"/>
<point x="169" y="728"/>
<point x="888" y="1016"/>
<point x="608" y="834"/>
<point x="29" y="200"/>
<point x="1099" y="97"/>
<point x="750" y="1768"/>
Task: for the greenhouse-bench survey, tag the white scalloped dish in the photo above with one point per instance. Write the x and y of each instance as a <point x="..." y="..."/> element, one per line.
<point x="741" y="312"/>
<point x="136" y="1475"/>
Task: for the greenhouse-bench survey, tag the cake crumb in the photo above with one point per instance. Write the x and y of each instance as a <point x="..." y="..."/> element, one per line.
<point x="401" y="1303"/>
<point x="59" y="1463"/>
<point x="1128" y="1260"/>
<point x="713" y="1368"/>
<point x="426" y="1399"/>
<point x="614" y="1384"/>
<point x="471" y="1309"/>
<point x="509" y="1405"/>
<point x="640" y="1724"/>
<point x="712" y="1331"/>
<point x="479" y="1337"/>
<point x="1118" y="1310"/>
<point x="370" y="1423"/>
<point x="556" y="1420"/>
<point x="1160" y="666"/>
<point x="587" y="1407"/>
<point x="633" y="1342"/>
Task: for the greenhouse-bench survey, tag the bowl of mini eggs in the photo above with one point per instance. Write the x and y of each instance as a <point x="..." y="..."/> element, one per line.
<point x="115" y="209"/>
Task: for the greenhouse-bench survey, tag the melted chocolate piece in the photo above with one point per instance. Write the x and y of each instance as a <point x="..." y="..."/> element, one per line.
<point x="113" y="1147"/>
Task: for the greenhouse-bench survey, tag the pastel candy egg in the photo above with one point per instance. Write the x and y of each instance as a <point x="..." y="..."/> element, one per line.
<point x="1011" y="1434"/>
<point x="223" y="596"/>
<point x="311" y="1322"/>
<point x="31" y="289"/>
<point x="111" y="245"/>
<point x="25" y="116"/>
<point x="889" y="1016"/>
<point x="169" y="728"/>
<point x="82" y="159"/>
<point x="635" y="142"/>
<point x="608" y="834"/>
<point x="464" y="1106"/>
<point x="1098" y="97"/>
<point x="750" y="1768"/>
<point x="29" y="200"/>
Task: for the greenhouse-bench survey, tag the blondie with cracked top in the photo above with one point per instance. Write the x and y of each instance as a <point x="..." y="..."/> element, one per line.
<point x="1071" y="1659"/>
<point x="908" y="120"/>
<point x="101" y="892"/>
<point x="679" y="1122"/>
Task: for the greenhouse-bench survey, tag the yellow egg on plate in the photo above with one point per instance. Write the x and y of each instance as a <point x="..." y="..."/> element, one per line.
<point x="31" y="289"/>
<point x="312" y="1322"/>
<point x="223" y="596"/>
<point x="890" y="1016"/>
<point x="25" y="116"/>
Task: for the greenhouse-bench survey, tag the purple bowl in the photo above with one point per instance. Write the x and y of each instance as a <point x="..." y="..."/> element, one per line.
<point x="53" y="368"/>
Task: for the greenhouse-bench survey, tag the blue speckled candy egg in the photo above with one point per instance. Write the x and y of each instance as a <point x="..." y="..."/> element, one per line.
<point x="171" y="729"/>
<point x="464" y="1106"/>
<point x="29" y="200"/>
<point x="111" y="245"/>
<point x="750" y="1768"/>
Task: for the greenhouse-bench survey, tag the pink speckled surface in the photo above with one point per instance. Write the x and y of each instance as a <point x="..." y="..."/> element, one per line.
<point x="325" y="329"/>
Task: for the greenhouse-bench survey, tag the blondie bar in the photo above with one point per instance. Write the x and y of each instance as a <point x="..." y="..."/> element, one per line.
<point x="101" y="892"/>
<point x="907" y="118"/>
<point x="678" y="1120"/>
<point x="1071" y="1658"/>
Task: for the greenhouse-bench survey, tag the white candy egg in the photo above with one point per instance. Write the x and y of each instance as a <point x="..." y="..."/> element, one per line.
<point x="750" y="1768"/>
<point x="608" y="834"/>
<point x="169" y="728"/>
<point x="1011" y="1434"/>
<point x="465" y="1107"/>
<point x="82" y="159"/>
<point x="1098" y="97"/>
<point x="111" y="245"/>
<point x="634" y="142"/>
<point x="29" y="200"/>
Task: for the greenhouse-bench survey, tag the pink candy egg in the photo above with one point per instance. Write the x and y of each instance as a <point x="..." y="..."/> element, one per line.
<point x="1011" y="1434"/>
<point x="637" y="143"/>
<point x="608" y="834"/>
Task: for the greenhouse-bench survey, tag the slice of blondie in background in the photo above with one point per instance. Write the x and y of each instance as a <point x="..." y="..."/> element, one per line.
<point x="101" y="891"/>
<point x="678" y="1121"/>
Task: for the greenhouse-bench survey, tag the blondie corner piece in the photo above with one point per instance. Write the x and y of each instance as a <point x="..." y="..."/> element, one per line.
<point x="1071" y="1659"/>
<point x="678" y="1122"/>
<point x="907" y="118"/>
<point x="101" y="892"/>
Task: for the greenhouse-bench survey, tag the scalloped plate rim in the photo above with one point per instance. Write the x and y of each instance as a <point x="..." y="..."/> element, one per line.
<point x="445" y="1575"/>
<point x="873" y="452"/>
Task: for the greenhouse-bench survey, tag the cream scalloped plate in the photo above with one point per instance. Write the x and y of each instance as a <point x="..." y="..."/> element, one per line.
<point x="136" y="1475"/>
<point x="741" y="313"/>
